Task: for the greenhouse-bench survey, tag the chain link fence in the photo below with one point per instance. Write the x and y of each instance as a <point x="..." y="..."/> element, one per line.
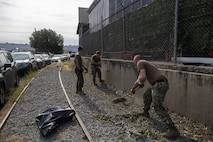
<point x="149" y="30"/>
<point x="195" y="29"/>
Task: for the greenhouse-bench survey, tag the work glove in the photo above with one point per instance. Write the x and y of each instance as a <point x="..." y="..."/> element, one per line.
<point x="79" y="70"/>
<point x="86" y="70"/>
<point x="136" y="88"/>
<point x="141" y="85"/>
<point x="132" y="91"/>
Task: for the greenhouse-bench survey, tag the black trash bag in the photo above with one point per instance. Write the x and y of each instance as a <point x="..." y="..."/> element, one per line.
<point x="49" y="119"/>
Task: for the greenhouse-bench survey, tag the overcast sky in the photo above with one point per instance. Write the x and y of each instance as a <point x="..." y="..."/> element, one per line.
<point x="19" y="18"/>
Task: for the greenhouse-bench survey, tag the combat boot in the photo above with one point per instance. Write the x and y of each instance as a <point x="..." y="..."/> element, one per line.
<point x="144" y="113"/>
<point x="95" y="83"/>
<point x="171" y="132"/>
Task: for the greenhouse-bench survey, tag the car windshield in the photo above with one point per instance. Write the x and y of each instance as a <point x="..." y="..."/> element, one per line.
<point x="57" y="56"/>
<point x="1" y="59"/>
<point x="20" y="56"/>
<point x="38" y="57"/>
<point x="45" y="56"/>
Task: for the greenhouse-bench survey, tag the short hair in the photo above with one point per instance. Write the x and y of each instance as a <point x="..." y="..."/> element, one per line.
<point x="137" y="57"/>
<point x="80" y="48"/>
<point x="98" y="52"/>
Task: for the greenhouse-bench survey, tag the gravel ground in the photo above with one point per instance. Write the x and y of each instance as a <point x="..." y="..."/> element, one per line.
<point x="44" y="92"/>
<point x="105" y="121"/>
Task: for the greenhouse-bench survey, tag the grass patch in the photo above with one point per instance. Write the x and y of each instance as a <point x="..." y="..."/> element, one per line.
<point x="72" y="65"/>
<point x="68" y="65"/>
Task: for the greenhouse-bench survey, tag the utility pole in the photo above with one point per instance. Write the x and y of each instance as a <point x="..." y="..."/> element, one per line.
<point x="176" y="30"/>
<point x="102" y="41"/>
<point x="124" y="27"/>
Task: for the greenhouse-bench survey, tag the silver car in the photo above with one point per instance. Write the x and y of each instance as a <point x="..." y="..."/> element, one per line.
<point x="46" y="58"/>
<point x="25" y="62"/>
<point x="8" y="74"/>
<point x="40" y="60"/>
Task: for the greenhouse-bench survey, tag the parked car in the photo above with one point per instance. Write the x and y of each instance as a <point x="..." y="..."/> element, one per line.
<point x="66" y="57"/>
<point x="8" y="74"/>
<point x="25" y="62"/>
<point x="72" y="54"/>
<point x="46" y="58"/>
<point x="40" y="60"/>
<point x="57" y="58"/>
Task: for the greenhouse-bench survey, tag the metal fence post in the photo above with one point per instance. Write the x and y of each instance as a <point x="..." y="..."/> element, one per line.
<point x="124" y="28"/>
<point x="124" y="31"/>
<point x="102" y="40"/>
<point x="176" y="30"/>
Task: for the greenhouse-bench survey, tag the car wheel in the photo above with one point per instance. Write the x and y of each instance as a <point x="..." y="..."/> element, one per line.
<point x="17" y="81"/>
<point x="30" y="68"/>
<point x="2" y="95"/>
<point x="37" y="67"/>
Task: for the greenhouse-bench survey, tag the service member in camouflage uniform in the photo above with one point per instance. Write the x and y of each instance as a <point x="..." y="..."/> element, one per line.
<point x="95" y="66"/>
<point x="79" y="68"/>
<point x="147" y="71"/>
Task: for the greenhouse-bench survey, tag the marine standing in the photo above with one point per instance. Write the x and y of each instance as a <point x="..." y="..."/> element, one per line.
<point x="79" y="68"/>
<point x="95" y="66"/>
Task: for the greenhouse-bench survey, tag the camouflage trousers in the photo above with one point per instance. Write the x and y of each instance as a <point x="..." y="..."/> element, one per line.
<point x="157" y="93"/>
<point x="80" y="80"/>
<point x="95" y="70"/>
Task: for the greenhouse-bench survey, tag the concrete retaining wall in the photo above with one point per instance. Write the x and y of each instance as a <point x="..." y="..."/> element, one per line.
<point x="191" y="87"/>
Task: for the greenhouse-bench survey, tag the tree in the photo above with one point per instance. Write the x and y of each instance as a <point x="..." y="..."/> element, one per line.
<point x="47" y="41"/>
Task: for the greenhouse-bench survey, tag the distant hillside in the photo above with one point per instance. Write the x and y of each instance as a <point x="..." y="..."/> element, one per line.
<point x="26" y="47"/>
<point x="71" y="48"/>
<point x="14" y="46"/>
